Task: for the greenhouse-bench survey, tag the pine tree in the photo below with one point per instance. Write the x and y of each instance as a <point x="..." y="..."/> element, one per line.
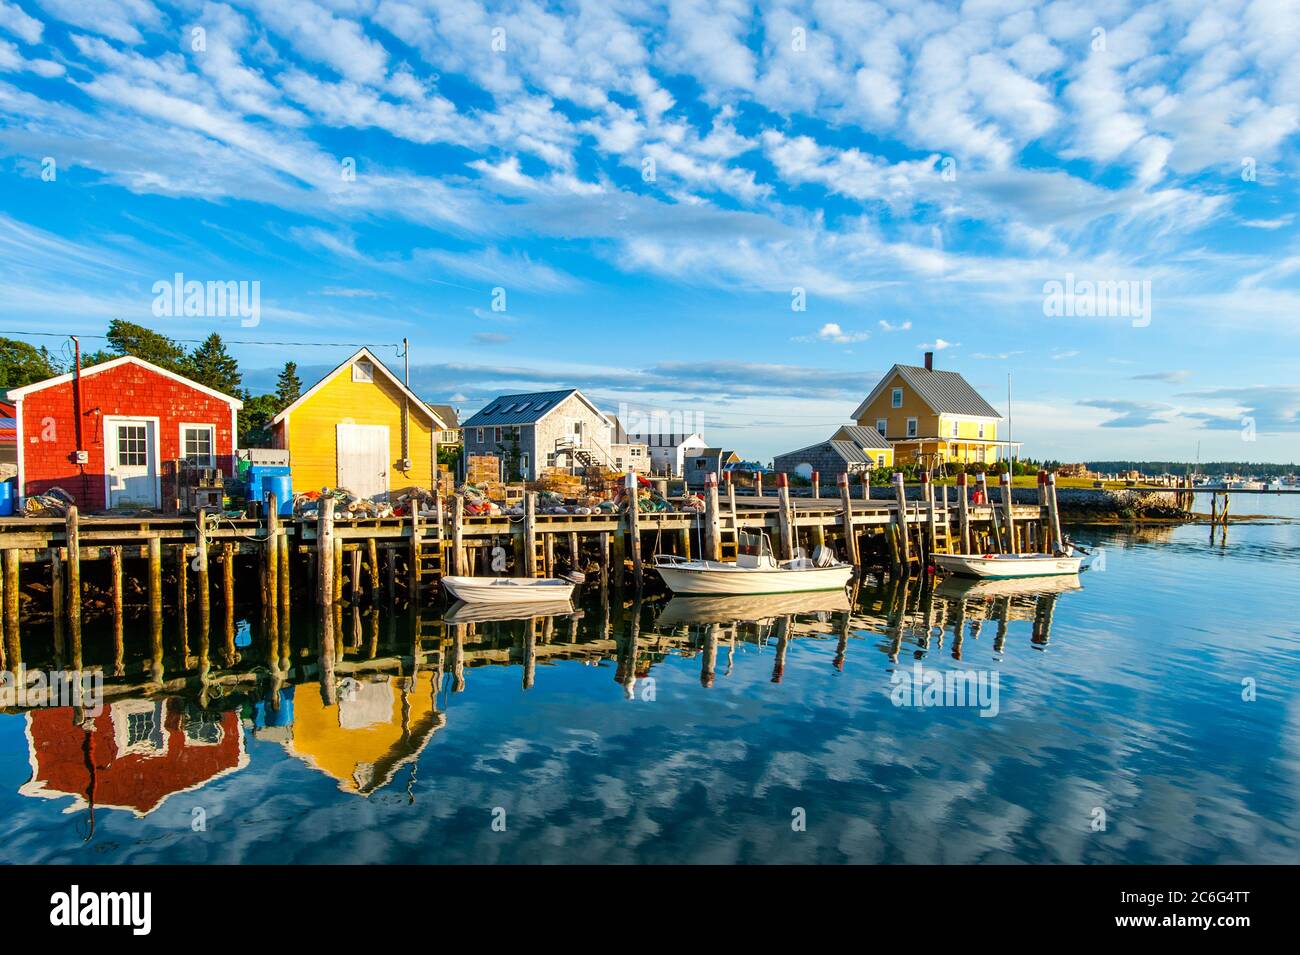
<point x="210" y="364"/>
<point x="288" y="387"/>
<point x="128" y="338"/>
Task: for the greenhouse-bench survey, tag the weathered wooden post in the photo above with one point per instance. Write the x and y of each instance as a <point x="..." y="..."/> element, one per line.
<point x="784" y="529"/>
<point x="458" y="536"/>
<point x="228" y="591"/>
<point x="57" y="604"/>
<point x="413" y="552"/>
<point x="282" y="576"/>
<point x="1054" y="515"/>
<point x="931" y="525"/>
<point x="618" y="559"/>
<point x="325" y="555"/>
<point x="634" y="527"/>
<point x="372" y="567"/>
<point x="271" y="560"/>
<point x="11" y="594"/>
<point x="73" y="534"/>
<point x="846" y="520"/>
<point x="183" y="601"/>
<point x="201" y="560"/>
<point x="155" y="608"/>
<point x="900" y="518"/>
<point x="530" y="534"/>
<point x="963" y="507"/>
<point x="712" y="520"/>
<point x="1009" y="518"/>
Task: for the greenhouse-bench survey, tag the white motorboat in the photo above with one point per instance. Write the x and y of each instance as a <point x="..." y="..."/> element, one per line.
<point x="508" y="590"/>
<point x="1000" y="566"/>
<point x="753" y="573"/>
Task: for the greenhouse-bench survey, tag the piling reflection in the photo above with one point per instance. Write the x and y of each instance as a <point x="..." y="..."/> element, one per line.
<point x="358" y="698"/>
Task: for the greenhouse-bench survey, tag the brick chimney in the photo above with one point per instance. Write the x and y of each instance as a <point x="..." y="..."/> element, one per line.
<point x="929" y="361"/>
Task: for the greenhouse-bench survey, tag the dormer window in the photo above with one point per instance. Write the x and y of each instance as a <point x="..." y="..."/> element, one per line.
<point x="896" y="398"/>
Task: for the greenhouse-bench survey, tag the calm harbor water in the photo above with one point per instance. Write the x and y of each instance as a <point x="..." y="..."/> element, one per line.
<point x="701" y="733"/>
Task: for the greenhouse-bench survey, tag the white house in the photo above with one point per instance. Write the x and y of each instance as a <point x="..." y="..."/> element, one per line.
<point x="668" y="451"/>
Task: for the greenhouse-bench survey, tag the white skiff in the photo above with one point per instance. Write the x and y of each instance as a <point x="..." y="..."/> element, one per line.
<point x="999" y="566"/>
<point x="507" y="590"/>
<point x="751" y="574"/>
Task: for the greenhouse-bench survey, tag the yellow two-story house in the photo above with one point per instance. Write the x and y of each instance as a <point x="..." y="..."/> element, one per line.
<point x="933" y="417"/>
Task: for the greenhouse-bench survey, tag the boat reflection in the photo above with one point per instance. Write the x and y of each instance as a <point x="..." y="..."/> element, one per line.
<point x="686" y="610"/>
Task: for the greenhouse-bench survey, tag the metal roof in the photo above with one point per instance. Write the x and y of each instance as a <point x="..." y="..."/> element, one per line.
<point x="528" y="408"/>
<point x="947" y="392"/>
<point x="850" y="452"/>
<point x="863" y="437"/>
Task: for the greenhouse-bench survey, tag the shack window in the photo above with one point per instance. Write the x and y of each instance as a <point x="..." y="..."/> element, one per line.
<point x="911" y="427"/>
<point x="363" y="371"/>
<point x="132" y="445"/>
<point x="954" y="429"/>
<point x="897" y="398"/>
<point x="981" y="429"/>
<point x="197" y="442"/>
<point x="881" y="425"/>
<point x="478" y="435"/>
<point x="880" y="460"/>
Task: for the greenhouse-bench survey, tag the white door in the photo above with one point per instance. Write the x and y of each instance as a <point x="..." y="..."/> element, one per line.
<point x="131" y="462"/>
<point x="363" y="459"/>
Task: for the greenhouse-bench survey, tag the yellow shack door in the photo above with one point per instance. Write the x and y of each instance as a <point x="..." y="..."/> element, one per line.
<point x="363" y="459"/>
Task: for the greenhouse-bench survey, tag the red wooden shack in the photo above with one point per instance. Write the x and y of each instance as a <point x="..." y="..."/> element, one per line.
<point x="109" y="435"/>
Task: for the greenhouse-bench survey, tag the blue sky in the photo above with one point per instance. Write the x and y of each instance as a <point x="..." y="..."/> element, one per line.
<point x="654" y="186"/>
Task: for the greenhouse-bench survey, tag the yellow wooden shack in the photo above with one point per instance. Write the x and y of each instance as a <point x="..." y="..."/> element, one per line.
<point x="362" y="429"/>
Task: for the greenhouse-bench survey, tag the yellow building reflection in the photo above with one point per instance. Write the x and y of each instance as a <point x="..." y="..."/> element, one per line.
<point x="380" y="724"/>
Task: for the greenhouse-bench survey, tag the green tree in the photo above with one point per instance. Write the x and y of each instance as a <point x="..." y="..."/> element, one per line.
<point x="21" y="364"/>
<point x="288" y="387"/>
<point x="128" y="338"/>
<point x="255" y="420"/>
<point x="210" y="364"/>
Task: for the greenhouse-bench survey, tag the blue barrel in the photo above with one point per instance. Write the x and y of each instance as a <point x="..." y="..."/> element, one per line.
<point x="7" y="499"/>
<point x="281" y="485"/>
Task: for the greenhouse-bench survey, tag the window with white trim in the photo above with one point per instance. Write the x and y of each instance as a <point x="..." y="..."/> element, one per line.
<point x="911" y="427"/>
<point x="363" y="371"/>
<point x="479" y="436"/>
<point x="198" y="445"/>
<point x="882" y="425"/>
<point x="981" y="429"/>
<point x="897" y="398"/>
<point x="954" y="428"/>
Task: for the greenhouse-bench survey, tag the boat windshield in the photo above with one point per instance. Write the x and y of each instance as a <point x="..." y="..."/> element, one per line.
<point x="753" y="544"/>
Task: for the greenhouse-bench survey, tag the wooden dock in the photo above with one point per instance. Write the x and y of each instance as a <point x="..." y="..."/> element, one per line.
<point x="59" y="572"/>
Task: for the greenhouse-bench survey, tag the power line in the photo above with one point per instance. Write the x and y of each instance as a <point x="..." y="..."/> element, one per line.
<point x="229" y="341"/>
